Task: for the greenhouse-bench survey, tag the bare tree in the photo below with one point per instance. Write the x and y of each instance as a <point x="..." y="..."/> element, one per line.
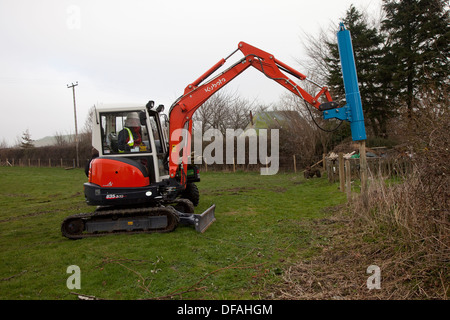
<point x="3" y="144"/>
<point x="88" y="122"/>
<point x="224" y="110"/>
<point x="315" y="64"/>
<point x="60" y="139"/>
<point x="301" y="135"/>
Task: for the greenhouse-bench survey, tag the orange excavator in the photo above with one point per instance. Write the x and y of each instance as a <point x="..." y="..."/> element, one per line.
<point x="141" y="181"/>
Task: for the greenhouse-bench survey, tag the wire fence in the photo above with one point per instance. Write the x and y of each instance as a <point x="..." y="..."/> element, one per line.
<point x="286" y="164"/>
<point x="48" y="162"/>
<point x="376" y="166"/>
<point x="384" y="166"/>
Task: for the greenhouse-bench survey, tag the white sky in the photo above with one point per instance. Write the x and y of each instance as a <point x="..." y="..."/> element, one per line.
<point x="136" y="50"/>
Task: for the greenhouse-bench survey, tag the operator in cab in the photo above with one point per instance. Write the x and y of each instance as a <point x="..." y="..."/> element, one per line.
<point x="130" y="138"/>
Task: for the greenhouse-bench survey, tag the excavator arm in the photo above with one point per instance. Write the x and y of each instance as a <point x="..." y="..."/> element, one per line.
<point x="196" y="93"/>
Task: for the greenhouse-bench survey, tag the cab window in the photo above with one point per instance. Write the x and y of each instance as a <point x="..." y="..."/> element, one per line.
<point x="124" y="132"/>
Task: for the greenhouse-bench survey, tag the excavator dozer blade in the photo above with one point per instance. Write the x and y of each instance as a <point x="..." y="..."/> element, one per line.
<point x="204" y="220"/>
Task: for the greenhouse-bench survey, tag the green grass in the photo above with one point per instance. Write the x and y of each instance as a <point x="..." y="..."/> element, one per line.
<point x="259" y="232"/>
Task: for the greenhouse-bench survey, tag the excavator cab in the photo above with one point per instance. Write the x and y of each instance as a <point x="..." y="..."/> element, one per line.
<point x="129" y="180"/>
<point x="131" y="149"/>
<point x="133" y="134"/>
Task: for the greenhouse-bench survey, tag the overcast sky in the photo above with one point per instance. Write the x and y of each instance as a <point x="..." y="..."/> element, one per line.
<point x="136" y="50"/>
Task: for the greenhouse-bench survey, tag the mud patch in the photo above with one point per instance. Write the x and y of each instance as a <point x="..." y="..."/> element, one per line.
<point x="228" y="191"/>
<point x="279" y="189"/>
<point x="17" y="195"/>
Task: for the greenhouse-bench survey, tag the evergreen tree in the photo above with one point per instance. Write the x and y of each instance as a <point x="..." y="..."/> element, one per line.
<point x="417" y="51"/>
<point x="27" y="142"/>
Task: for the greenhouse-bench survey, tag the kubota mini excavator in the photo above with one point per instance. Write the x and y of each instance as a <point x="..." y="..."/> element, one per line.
<point x="141" y="180"/>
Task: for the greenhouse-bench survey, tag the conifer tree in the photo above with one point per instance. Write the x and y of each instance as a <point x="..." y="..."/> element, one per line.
<point x="27" y="142"/>
<point x="417" y="51"/>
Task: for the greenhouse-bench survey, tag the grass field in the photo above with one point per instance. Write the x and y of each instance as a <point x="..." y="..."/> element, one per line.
<point x="258" y="233"/>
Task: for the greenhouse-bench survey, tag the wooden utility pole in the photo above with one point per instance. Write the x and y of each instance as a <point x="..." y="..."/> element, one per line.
<point x="75" y="116"/>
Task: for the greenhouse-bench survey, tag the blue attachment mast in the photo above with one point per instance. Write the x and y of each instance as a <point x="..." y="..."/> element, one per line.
<point x="352" y="111"/>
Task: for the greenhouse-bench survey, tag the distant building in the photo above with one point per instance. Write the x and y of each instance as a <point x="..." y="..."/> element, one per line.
<point x="271" y="120"/>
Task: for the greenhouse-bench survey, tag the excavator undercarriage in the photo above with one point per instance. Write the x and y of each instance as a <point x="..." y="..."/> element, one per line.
<point x="141" y="219"/>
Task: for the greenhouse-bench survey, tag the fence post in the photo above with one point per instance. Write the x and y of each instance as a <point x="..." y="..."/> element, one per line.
<point x="324" y="161"/>
<point x="329" y="173"/>
<point x="348" y="180"/>
<point x="331" y="166"/>
<point x="49" y="162"/>
<point x="295" y="164"/>
<point x="363" y="171"/>
<point x="39" y="162"/>
<point x="341" y="172"/>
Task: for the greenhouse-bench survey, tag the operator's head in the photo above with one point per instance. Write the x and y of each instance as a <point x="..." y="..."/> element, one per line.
<point x="133" y="120"/>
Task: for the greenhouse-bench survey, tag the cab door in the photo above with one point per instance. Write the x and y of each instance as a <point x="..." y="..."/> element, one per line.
<point x="159" y="144"/>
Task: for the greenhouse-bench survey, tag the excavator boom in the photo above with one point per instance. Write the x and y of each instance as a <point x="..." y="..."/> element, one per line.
<point x="196" y="93"/>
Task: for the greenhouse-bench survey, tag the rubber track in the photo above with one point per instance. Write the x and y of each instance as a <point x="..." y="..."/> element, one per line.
<point x="122" y="213"/>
